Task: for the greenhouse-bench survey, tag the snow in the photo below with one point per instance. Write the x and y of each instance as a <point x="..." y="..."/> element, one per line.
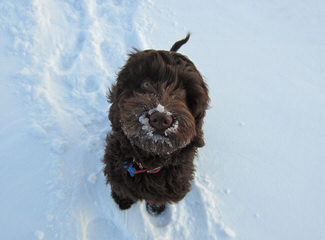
<point x="159" y="108"/>
<point x="40" y="235"/>
<point x="261" y="173"/>
<point x="144" y="120"/>
<point x="173" y="128"/>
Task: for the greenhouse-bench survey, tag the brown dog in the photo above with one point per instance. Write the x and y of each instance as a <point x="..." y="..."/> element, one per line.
<point x="158" y="105"/>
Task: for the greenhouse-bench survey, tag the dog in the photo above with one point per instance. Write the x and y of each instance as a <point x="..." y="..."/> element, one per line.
<point x="158" y="104"/>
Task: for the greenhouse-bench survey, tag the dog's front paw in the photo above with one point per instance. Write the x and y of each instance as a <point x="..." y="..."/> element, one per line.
<point x="155" y="209"/>
<point x="123" y="203"/>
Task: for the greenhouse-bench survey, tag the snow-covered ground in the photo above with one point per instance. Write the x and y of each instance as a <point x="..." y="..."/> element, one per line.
<point x="261" y="174"/>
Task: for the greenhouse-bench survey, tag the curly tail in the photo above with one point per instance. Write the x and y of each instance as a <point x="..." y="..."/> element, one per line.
<point x="177" y="45"/>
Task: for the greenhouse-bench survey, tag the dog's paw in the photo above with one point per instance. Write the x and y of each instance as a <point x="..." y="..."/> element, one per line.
<point x="155" y="209"/>
<point x="163" y="218"/>
<point x="123" y="203"/>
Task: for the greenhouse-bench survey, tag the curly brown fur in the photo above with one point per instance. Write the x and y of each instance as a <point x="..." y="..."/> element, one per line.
<point x="150" y="80"/>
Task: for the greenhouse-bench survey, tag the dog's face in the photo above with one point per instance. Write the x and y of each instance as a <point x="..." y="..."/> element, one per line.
<point x="159" y="102"/>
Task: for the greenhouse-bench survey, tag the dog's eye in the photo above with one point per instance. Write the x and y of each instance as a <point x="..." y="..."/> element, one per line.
<point x="146" y="85"/>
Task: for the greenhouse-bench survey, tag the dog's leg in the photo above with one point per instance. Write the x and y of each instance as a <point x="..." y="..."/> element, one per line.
<point x="123" y="203"/>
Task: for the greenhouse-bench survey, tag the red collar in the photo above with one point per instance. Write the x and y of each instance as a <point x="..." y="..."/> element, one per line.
<point x="143" y="169"/>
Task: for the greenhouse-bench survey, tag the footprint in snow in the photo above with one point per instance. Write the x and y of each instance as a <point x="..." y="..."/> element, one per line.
<point x="68" y="58"/>
<point x="59" y="146"/>
<point x="112" y="53"/>
<point x="90" y="84"/>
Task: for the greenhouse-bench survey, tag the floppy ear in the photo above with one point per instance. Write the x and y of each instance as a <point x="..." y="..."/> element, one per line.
<point x="197" y="98"/>
<point x="114" y="112"/>
<point x="115" y="95"/>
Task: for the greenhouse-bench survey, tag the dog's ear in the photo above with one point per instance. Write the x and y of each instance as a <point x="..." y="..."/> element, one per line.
<point x="112" y="94"/>
<point x="114" y="112"/>
<point x="197" y="98"/>
<point x="116" y="90"/>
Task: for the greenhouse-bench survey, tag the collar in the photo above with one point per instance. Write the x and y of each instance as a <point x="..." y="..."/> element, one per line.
<point x="142" y="169"/>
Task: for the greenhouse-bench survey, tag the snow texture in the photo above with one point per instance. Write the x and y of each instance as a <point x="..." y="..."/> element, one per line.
<point x="261" y="173"/>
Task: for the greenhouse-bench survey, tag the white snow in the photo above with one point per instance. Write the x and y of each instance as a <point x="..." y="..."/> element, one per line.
<point x="229" y="232"/>
<point x="172" y="129"/>
<point x="261" y="173"/>
<point x="144" y="120"/>
<point x="159" y="108"/>
<point x="40" y="235"/>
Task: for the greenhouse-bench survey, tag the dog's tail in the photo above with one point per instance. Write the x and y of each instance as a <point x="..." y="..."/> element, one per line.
<point x="177" y="45"/>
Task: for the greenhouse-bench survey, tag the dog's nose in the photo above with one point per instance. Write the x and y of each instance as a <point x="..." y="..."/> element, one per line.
<point x="160" y="121"/>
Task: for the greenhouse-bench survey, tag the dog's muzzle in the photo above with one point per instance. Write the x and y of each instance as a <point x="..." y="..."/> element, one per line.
<point x="160" y="121"/>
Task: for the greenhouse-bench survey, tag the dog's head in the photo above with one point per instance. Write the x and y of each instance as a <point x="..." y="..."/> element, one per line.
<point x="159" y="101"/>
